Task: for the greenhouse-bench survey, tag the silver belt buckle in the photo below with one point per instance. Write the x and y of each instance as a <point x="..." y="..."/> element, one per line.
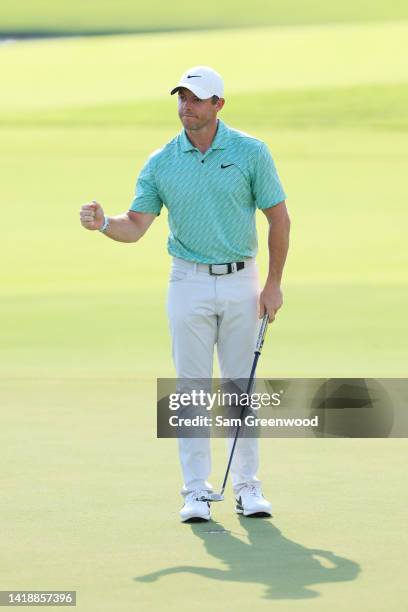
<point x="215" y="269"/>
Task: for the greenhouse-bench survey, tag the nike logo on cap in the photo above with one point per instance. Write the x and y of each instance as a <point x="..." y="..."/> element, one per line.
<point x="194" y="76"/>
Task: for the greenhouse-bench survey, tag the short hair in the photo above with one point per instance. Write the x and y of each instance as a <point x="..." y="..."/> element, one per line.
<point x="214" y="99"/>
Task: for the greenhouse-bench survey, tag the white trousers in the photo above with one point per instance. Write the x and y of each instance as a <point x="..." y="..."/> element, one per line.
<point x="205" y="311"/>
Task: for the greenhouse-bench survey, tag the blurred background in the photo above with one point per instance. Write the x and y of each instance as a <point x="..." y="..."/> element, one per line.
<point x="80" y="114"/>
<point x="84" y="100"/>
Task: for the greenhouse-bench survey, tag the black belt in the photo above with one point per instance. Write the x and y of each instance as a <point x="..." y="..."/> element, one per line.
<point x="227" y="268"/>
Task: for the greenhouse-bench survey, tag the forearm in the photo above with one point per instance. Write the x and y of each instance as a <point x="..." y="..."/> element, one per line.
<point x="123" y="229"/>
<point x="278" y="245"/>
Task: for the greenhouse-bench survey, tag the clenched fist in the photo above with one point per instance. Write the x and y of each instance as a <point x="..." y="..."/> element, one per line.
<point x="92" y="215"/>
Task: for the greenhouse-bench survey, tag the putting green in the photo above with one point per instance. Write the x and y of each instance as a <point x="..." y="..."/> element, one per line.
<point x="90" y="497"/>
<point x="89" y="503"/>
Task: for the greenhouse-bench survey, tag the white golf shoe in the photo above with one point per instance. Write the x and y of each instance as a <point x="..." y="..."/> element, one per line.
<point x="251" y="502"/>
<point x="195" y="511"/>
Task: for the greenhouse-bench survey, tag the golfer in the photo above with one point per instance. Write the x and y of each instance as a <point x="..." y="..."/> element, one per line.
<point x="211" y="178"/>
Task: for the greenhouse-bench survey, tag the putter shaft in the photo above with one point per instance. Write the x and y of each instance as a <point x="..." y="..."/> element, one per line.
<point x="258" y="349"/>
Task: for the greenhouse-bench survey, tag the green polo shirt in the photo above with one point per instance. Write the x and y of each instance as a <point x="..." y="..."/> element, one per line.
<point x="211" y="198"/>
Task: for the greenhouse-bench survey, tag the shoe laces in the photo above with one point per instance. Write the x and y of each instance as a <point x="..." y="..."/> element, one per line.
<point x="195" y="494"/>
<point x="254" y="489"/>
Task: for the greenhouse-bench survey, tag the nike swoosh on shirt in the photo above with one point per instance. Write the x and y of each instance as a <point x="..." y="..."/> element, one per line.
<point x="226" y="165"/>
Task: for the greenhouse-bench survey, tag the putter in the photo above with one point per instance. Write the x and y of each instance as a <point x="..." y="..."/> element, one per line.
<point x="217" y="497"/>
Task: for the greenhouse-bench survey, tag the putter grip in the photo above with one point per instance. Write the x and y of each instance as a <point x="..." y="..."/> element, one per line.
<point x="262" y="332"/>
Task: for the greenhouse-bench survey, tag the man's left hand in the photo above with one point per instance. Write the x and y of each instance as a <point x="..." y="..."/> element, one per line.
<point x="270" y="300"/>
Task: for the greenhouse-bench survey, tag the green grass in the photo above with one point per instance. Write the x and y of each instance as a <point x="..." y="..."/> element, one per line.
<point x="126" y="15"/>
<point x="365" y="107"/>
<point x="53" y="75"/>
<point x="90" y="498"/>
<point x="89" y="501"/>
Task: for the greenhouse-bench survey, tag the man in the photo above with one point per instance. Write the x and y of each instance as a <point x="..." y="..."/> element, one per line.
<point x="211" y="178"/>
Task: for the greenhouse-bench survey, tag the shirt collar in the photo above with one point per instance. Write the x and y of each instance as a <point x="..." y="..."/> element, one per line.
<point x="219" y="141"/>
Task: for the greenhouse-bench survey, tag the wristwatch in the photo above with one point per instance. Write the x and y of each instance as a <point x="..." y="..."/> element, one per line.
<point x="105" y="225"/>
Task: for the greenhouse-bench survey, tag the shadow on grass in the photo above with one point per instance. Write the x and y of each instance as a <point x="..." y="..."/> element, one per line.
<point x="38" y="33"/>
<point x="285" y="568"/>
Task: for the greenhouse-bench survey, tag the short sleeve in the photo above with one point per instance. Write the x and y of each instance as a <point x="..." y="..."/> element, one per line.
<point x="266" y="186"/>
<point x="147" y="198"/>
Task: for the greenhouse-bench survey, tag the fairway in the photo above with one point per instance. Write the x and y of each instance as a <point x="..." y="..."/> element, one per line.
<point x="57" y="16"/>
<point x="90" y="496"/>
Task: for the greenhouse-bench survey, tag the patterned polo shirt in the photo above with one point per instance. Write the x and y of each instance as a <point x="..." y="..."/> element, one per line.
<point x="211" y="198"/>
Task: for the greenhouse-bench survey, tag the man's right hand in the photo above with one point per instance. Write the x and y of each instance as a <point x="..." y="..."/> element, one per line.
<point x="92" y="215"/>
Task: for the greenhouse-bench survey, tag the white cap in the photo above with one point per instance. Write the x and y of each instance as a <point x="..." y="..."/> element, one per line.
<point x="203" y="81"/>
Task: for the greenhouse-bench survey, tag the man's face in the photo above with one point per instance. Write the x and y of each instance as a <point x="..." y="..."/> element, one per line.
<point x="195" y="113"/>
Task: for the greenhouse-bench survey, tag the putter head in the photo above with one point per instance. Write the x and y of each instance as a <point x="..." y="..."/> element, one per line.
<point x="211" y="497"/>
